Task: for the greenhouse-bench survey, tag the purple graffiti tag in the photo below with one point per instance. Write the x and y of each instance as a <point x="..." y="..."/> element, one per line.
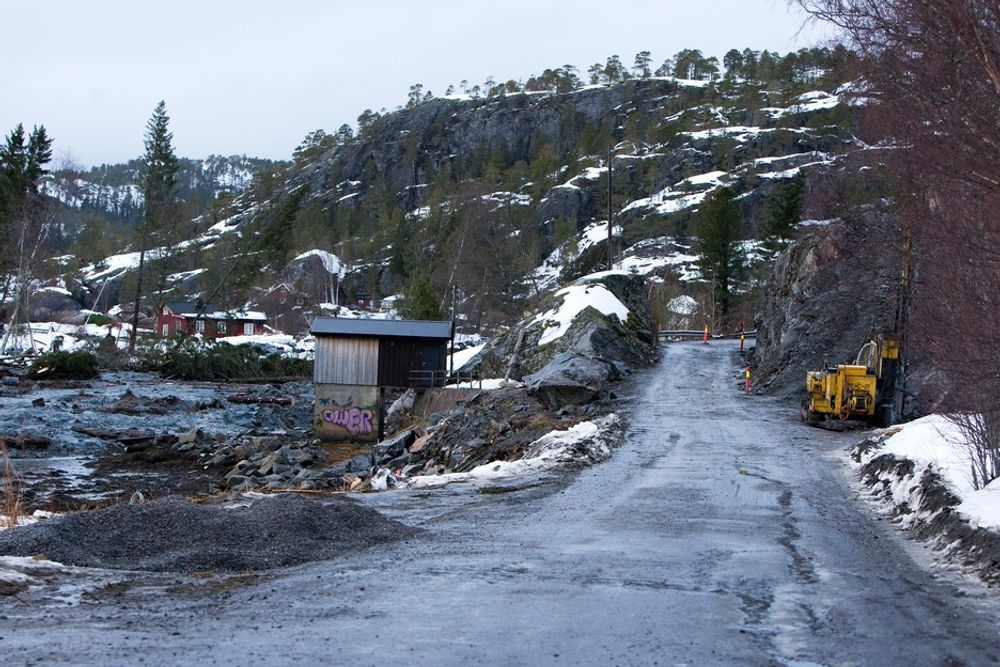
<point x="354" y="420"/>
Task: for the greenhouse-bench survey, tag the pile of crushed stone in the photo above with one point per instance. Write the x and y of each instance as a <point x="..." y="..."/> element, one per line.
<point x="175" y="535"/>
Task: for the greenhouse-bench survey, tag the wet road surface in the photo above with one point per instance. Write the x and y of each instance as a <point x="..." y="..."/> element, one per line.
<point x="722" y="533"/>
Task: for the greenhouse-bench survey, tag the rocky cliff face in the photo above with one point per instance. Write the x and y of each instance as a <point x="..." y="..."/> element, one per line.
<point x="830" y="292"/>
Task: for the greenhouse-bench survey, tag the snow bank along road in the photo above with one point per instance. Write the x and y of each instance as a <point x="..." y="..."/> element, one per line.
<point x="722" y="533"/>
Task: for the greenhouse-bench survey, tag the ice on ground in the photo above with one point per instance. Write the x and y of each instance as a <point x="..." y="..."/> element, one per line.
<point x="575" y="299"/>
<point x="938" y="443"/>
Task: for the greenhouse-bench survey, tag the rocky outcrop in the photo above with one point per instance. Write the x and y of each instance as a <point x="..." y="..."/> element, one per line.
<point x="594" y="349"/>
<point x="829" y="293"/>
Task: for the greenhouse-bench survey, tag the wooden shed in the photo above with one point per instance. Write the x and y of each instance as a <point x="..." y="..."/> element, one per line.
<point x="383" y="353"/>
<point x="357" y="358"/>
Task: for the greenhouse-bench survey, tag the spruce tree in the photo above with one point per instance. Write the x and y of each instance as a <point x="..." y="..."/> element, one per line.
<point x="421" y="303"/>
<point x="722" y="259"/>
<point x="159" y="189"/>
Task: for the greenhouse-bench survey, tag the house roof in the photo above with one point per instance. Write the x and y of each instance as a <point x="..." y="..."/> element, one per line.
<point x="188" y="309"/>
<point x="344" y="326"/>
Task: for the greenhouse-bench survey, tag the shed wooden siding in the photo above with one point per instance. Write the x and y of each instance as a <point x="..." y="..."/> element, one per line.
<point x="346" y="360"/>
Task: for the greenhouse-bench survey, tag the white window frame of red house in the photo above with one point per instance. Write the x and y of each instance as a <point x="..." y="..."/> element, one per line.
<point x="199" y="326"/>
<point x="166" y="329"/>
<point x="220" y="326"/>
<point x="248" y="328"/>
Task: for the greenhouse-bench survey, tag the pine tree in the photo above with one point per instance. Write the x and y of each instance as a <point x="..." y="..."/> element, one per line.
<point x="23" y="225"/>
<point x="641" y="66"/>
<point x="784" y="215"/>
<point x="159" y="189"/>
<point x="722" y="259"/>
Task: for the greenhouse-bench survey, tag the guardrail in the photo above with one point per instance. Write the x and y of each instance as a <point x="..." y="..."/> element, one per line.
<point x="444" y="378"/>
<point x="700" y="334"/>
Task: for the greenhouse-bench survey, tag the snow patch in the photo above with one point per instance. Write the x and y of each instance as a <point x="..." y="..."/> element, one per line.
<point x="575" y="299"/>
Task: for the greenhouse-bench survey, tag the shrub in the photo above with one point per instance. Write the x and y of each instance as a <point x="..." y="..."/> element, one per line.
<point x="62" y="365"/>
<point x="193" y="360"/>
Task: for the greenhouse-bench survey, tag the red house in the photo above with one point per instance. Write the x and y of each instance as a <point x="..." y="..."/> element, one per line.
<point x="213" y="322"/>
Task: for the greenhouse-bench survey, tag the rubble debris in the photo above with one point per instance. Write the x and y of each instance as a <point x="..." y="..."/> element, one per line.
<point x="25" y="441"/>
<point x="175" y="535"/>
<point x="125" y="436"/>
<point x="251" y="399"/>
<point x="133" y="404"/>
<point x="493" y="426"/>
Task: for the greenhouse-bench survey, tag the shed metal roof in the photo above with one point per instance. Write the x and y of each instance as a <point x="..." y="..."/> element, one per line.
<point x="344" y="326"/>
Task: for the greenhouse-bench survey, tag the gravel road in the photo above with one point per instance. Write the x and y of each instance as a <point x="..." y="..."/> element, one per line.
<point x="722" y="533"/>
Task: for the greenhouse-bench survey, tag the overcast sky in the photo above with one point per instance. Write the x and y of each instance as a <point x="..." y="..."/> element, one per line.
<point x="254" y="76"/>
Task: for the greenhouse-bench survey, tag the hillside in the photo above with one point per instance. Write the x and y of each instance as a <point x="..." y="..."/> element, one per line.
<point x="496" y="200"/>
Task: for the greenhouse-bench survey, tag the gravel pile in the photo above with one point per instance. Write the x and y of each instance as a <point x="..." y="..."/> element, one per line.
<point x="175" y="535"/>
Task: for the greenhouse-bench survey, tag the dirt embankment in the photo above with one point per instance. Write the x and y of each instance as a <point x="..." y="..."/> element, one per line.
<point x="933" y="517"/>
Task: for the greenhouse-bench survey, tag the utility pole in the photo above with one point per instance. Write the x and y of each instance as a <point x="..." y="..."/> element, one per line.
<point x="451" y="357"/>
<point x="611" y="226"/>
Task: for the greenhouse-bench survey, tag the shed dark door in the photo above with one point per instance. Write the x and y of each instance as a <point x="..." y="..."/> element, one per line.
<point x="410" y="362"/>
<point x="431" y="363"/>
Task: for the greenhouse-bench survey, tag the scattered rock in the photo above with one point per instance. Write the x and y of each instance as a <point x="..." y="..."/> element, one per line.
<point x="392" y="447"/>
<point x="25" y="441"/>
<point x="132" y="404"/>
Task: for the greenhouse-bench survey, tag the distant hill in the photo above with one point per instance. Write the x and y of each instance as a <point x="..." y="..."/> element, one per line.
<point x="497" y="198"/>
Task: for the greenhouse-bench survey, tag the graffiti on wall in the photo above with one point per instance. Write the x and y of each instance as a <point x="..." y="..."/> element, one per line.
<point x="357" y="421"/>
<point x="346" y="412"/>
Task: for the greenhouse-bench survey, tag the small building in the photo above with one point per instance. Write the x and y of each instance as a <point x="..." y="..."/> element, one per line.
<point x="208" y="320"/>
<point x="284" y="305"/>
<point x="357" y="358"/>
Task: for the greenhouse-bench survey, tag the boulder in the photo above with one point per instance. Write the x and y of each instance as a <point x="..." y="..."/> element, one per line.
<point x="359" y="463"/>
<point x="392" y="447"/>
<point x="569" y="378"/>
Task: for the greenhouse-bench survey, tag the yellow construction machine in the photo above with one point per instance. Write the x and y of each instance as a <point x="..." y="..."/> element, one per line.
<point x="868" y="390"/>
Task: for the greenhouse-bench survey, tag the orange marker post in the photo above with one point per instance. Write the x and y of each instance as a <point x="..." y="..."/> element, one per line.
<point x="746" y="375"/>
<point x="742" y="338"/>
<point x="705" y="340"/>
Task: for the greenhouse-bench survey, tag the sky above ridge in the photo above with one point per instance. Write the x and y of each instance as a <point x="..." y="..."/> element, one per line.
<point x="253" y="77"/>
